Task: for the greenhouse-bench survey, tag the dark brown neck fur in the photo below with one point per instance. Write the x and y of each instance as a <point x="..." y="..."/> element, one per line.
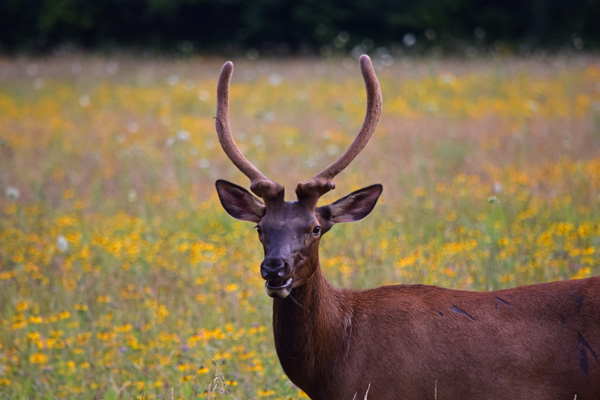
<point x="312" y="334"/>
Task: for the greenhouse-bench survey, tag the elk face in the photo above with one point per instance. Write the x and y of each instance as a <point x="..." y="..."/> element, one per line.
<point x="290" y="232"/>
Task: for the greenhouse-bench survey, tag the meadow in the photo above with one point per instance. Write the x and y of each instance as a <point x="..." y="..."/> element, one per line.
<point x="122" y="277"/>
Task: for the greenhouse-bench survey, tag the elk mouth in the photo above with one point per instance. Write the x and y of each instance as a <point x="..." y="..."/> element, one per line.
<point x="279" y="288"/>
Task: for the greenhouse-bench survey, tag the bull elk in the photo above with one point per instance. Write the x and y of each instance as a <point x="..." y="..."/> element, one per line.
<point x="404" y="341"/>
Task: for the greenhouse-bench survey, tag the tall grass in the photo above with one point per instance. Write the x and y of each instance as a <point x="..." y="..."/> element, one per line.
<point x="121" y="277"/>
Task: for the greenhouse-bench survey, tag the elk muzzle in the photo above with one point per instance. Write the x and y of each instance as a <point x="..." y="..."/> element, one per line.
<point x="276" y="271"/>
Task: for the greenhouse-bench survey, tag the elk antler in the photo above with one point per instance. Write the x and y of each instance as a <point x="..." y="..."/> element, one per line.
<point x="323" y="182"/>
<point x="259" y="183"/>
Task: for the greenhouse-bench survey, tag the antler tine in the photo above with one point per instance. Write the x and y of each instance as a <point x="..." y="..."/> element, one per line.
<point x="323" y="182"/>
<point x="259" y="183"/>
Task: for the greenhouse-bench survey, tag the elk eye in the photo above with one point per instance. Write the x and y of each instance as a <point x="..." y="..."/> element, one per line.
<point x="259" y="230"/>
<point x="316" y="230"/>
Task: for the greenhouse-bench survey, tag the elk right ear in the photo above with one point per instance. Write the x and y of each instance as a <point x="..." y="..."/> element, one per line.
<point x="352" y="207"/>
<point x="239" y="203"/>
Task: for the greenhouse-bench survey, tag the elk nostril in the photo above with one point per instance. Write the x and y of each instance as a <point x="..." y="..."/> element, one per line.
<point x="274" y="268"/>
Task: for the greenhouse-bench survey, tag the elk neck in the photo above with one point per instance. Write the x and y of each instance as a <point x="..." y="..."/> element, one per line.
<point x="312" y="332"/>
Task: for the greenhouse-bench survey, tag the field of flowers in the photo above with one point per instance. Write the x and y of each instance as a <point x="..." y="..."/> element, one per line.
<point x="122" y="277"/>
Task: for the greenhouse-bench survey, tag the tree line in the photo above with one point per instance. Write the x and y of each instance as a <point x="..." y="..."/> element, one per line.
<point x="292" y="27"/>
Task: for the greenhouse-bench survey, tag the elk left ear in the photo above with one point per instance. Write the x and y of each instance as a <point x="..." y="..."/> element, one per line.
<point x="239" y="203"/>
<point x="353" y="207"/>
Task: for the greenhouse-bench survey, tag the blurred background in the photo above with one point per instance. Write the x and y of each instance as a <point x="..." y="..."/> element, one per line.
<point x="280" y="27"/>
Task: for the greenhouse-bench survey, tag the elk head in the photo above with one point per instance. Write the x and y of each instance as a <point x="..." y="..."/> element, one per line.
<point x="290" y="231"/>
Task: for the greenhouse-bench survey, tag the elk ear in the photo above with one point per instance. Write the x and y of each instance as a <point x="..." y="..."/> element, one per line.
<point x="239" y="203"/>
<point x="353" y="207"/>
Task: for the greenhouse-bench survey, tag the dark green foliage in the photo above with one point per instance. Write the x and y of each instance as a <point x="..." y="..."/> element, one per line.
<point x="281" y="26"/>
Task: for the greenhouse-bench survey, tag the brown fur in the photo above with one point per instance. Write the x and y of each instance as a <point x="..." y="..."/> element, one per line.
<point x="408" y="342"/>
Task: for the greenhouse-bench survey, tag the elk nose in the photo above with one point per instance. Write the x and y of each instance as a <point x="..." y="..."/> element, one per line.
<point x="274" y="268"/>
